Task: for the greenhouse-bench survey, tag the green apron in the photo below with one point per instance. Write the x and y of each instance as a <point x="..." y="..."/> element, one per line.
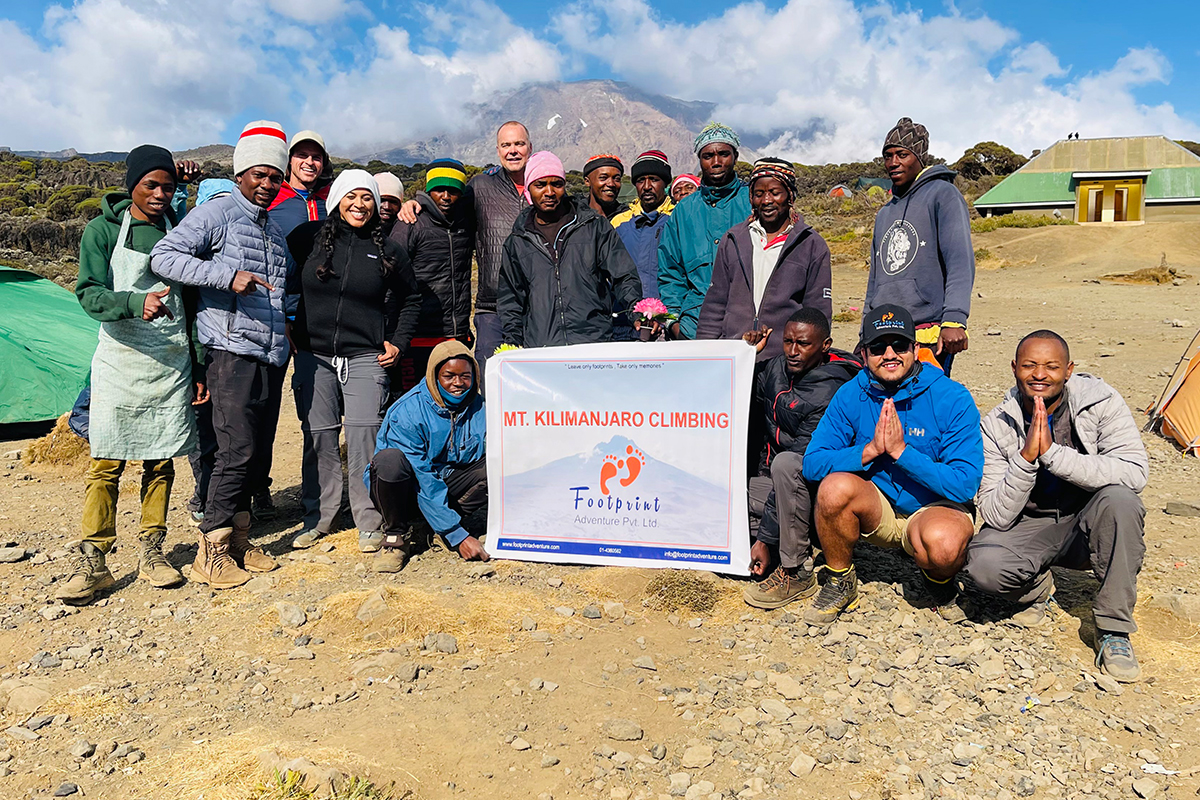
<point x="141" y="372"/>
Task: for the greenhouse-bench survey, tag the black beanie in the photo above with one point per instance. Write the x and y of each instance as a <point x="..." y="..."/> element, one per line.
<point x="146" y="158"/>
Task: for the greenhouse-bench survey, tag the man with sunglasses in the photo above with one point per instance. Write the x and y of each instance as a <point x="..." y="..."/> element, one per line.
<point x="899" y="456"/>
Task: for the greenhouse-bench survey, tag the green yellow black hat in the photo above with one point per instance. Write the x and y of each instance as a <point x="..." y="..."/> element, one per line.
<point x="445" y="172"/>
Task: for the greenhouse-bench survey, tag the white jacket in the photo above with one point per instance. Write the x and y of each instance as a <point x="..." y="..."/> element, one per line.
<point x="1113" y="451"/>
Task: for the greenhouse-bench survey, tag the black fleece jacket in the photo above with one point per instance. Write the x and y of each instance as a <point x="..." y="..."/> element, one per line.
<point x="359" y="307"/>
<point x="439" y="250"/>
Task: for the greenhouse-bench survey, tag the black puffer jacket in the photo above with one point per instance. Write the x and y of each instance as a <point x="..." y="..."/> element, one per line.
<point x="358" y="308"/>
<point x="497" y="206"/>
<point x="545" y="302"/>
<point x="794" y="405"/>
<point x="440" y="252"/>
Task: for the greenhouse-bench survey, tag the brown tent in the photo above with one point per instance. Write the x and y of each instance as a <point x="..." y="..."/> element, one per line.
<point x="1176" y="413"/>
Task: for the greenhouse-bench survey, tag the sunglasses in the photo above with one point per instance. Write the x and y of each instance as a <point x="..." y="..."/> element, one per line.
<point x="897" y="345"/>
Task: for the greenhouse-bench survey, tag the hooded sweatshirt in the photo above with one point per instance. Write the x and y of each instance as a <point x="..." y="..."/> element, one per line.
<point x="436" y="440"/>
<point x="943" y="456"/>
<point x="921" y="253"/>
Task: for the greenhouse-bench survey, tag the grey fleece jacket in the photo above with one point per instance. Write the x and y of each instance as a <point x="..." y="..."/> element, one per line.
<point x="921" y="253"/>
<point x="1114" y="454"/>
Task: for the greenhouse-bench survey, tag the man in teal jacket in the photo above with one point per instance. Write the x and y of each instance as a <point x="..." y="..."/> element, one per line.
<point x="689" y="241"/>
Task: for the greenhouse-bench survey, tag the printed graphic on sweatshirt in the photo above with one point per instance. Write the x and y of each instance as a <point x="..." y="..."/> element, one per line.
<point x="898" y="248"/>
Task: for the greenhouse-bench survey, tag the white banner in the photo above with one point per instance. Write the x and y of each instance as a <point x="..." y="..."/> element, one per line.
<point x="630" y="453"/>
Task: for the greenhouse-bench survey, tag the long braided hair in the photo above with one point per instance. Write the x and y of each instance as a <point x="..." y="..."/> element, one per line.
<point x="334" y="226"/>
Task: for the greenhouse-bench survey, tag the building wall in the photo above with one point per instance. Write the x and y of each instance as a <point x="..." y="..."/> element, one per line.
<point x="1182" y="212"/>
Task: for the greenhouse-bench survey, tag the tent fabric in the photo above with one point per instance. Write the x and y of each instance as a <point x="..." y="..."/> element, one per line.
<point x="841" y="190"/>
<point x="1176" y="413"/>
<point x="46" y="346"/>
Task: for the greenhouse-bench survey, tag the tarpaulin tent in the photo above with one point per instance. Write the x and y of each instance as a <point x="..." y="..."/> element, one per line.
<point x="46" y="346"/>
<point x="841" y="190"/>
<point x="1176" y="413"/>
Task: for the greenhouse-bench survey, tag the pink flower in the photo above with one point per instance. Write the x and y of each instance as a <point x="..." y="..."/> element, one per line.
<point x="651" y="308"/>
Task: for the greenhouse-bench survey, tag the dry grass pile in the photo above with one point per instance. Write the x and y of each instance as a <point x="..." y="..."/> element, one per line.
<point x="290" y="786"/>
<point x="1153" y="276"/>
<point x="60" y="447"/>
<point x="84" y="703"/>
<point x="684" y="590"/>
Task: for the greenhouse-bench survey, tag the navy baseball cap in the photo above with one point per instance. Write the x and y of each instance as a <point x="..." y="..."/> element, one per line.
<point x="888" y="320"/>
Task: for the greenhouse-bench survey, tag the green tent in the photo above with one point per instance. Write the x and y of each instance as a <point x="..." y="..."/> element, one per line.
<point x="46" y="346"/>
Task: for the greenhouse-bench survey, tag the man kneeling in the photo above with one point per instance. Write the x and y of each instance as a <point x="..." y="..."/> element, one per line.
<point x="1063" y="464"/>
<point x="899" y="457"/>
<point x="429" y="459"/>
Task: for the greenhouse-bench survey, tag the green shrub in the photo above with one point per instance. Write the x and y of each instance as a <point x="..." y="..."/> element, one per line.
<point x="8" y="204"/>
<point x="88" y="209"/>
<point x="982" y="254"/>
<point x="62" y="204"/>
<point x="988" y="224"/>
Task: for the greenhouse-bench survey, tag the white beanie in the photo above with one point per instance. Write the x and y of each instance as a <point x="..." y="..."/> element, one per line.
<point x="389" y="185"/>
<point x="346" y="183"/>
<point x="262" y="143"/>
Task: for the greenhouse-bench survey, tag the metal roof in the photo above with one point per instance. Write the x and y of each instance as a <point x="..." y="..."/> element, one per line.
<point x="1112" y="155"/>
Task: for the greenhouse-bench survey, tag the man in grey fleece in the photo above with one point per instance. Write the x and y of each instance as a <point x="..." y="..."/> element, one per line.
<point x="1063" y="466"/>
<point x="921" y="253"/>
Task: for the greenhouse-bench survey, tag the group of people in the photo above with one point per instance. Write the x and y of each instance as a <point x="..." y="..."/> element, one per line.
<point x="369" y="295"/>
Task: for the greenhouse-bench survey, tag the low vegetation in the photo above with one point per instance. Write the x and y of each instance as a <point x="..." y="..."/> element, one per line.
<point x="989" y="224"/>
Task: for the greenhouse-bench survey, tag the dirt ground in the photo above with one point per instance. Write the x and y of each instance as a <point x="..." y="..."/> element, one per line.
<point x="547" y="692"/>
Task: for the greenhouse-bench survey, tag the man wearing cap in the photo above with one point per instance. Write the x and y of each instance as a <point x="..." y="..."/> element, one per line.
<point x="391" y="196"/>
<point x="439" y="245"/>
<point x="308" y="175"/>
<point x="603" y="174"/>
<point x="641" y="225"/>
<point x="899" y="457"/>
<point x="692" y="234"/>
<point x="684" y="185"/>
<point x="921" y="252"/>
<point x="238" y="256"/>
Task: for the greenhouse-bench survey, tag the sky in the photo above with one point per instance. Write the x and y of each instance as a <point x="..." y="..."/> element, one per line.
<point x="823" y="80"/>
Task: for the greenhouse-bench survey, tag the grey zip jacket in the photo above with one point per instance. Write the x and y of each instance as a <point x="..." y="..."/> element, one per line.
<point x="921" y="253"/>
<point x="1115" y="455"/>
<point x="212" y="243"/>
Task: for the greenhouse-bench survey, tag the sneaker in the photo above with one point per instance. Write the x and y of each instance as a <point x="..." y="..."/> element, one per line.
<point x="1038" y="612"/>
<point x="947" y="601"/>
<point x="196" y="518"/>
<point x="840" y="593"/>
<point x="1115" y="657"/>
<point x="89" y="574"/>
<point x="370" y="541"/>
<point x="262" y="507"/>
<point x="780" y="588"/>
<point x="306" y="538"/>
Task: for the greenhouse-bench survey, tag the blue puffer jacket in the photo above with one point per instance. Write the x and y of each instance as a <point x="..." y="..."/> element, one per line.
<point x="212" y="243"/>
<point x="943" y="457"/>
<point x="435" y="441"/>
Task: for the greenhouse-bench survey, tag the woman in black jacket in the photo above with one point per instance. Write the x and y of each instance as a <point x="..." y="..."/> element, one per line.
<point x="358" y="309"/>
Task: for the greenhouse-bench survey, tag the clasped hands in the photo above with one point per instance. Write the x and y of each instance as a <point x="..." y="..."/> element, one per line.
<point x="889" y="435"/>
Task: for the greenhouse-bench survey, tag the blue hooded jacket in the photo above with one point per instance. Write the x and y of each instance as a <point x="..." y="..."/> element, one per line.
<point x="436" y="441"/>
<point x="943" y="459"/>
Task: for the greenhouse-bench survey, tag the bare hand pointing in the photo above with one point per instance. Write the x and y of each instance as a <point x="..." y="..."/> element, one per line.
<point x="247" y="282"/>
<point x="153" y="306"/>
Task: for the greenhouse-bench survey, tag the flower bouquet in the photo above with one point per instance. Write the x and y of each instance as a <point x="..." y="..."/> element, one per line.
<point x="648" y="311"/>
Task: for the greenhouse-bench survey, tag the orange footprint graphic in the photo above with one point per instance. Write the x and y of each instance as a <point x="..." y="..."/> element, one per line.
<point x="608" y="471"/>
<point x="633" y="465"/>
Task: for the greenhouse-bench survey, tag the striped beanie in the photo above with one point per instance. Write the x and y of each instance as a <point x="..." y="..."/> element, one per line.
<point x="713" y="133"/>
<point x="602" y="160"/>
<point x="686" y="177"/>
<point x="651" y="162"/>
<point x="777" y="168"/>
<point x="262" y="143"/>
<point x="911" y="136"/>
<point x="445" y="173"/>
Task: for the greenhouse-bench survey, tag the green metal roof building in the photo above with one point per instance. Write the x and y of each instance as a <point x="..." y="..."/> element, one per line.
<point x="1126" y="180"/>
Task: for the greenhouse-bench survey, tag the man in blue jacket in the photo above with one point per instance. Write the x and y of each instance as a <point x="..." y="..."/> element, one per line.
<point x="899" y="455"/>
<point x="430" y="461"/>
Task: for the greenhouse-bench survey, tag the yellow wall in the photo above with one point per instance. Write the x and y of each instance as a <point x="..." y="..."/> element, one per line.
<point x="1134" y="193"/>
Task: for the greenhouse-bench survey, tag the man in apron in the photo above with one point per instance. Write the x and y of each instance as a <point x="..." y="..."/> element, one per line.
<point x="142" y="390"/>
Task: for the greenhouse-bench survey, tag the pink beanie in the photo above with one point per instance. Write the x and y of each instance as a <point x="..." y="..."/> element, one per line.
<point x="686" y="178"/>
<point x="542" y="164"/>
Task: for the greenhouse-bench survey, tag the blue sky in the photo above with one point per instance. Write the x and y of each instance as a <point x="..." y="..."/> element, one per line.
<point x="823" y="78"/>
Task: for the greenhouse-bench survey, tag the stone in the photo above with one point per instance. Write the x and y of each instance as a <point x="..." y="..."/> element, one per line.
<point x="291" y="615"/>
<point x="1145" y="788"/>
<point x="645" y="662"/>
<point x="374" y="606"/>
<point x="680" y="781"/>
<point x="22" y="734"/>
<point x="1184" y="606"/>
<point x="564" y="611"/>
<point x="549" y="761"/>
<point x="836" y="729"/>
<point x="25" y="700"/>
<point x="622" y="730"/>
<point x="994" y="332"/>
<point x="788" y="687"/>
<point x="260" y="584"/>
<point x="777" y="709"/>
<point x="964" y="753"/>
<point x="1180" y="508"/>
<point x="66" y="790"/>
<point x="444" y="643"/>
<point x="658" y="752"/>
<point x="520" y="744"/>
<point x="992" y="670"/>
<point x="590" y="612"/>
<point x="701" y="789"/>
<point x="803" y="764"/>
<point x="484" y="570"/>
<point x="11" y="555"/>
<point x="614" y="611"/>
<point x="902" y="703"/>
<point x="528" y="624"/>
<point x="697" y="757"/>
<point x="386" y="665"/>
<point x="301" y="654"/>
<point x="83" y="749"/>
<point x="51" y="613"/>
<point x="1109" y="684"/>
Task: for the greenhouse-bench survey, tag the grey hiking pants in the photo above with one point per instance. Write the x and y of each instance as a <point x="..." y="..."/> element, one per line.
<point x="326" y="389"/>
<point x="1106" y="535"/>
<point x="784" y="504"/>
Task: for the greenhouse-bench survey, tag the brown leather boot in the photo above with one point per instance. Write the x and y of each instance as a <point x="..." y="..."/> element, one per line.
<point x="214" y="565"/>
<point x="251" y="559"/>
<point x="153" y="565"/>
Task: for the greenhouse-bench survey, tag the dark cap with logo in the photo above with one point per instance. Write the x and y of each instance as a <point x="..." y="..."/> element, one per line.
<point x="888" y="320"/>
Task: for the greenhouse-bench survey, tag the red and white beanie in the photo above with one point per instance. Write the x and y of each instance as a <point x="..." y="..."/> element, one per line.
<point x="262" y="143"/>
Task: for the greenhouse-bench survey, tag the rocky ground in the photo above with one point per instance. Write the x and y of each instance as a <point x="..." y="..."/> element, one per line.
<point x="529" y="681"/>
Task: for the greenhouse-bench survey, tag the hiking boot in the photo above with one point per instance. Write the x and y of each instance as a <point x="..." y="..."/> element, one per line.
<point x="1038" y="612"/>
<point x="306" y="538"/>
<point x="89" y="574"/>
<point x="947" y="601"/>
<point x="1115" y="657"/>
<point x="840" y="593"/>
<point x="195" y="518"/>
<point x="780" y="588"/>
<point x="214" y="565"/>
<point x="249" y="558"/>
<point x="397" y="550"/>
<point x="262" y="506"/>
<point x="370" y="541"/>
<point x="153" y="565"/>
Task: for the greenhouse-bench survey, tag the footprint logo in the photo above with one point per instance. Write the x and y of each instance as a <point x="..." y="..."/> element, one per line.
<point x="608" y="471"/>
<point x="612" y="466"/>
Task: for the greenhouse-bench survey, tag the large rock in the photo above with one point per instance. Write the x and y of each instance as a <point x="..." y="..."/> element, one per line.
<point x="622" y="730"/>
<point x="25" y="700"/>
<point x="788" y="687"/>
<point x="374" y="606"/>
<point x="697" y="757"/>
<point x="803" y="764"/>
<point x="291" y="615"/>
<point x="386" y="665"/>
<point x="1184" y="606"/>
